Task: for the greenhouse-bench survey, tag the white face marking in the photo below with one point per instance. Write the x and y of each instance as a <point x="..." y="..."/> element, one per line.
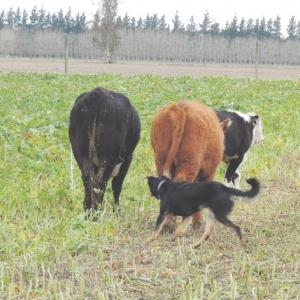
<point x="257" y="130"/>
<point x="258" y="133"/>
<point x="246" y="117"/>
<point x="116" y="170"/>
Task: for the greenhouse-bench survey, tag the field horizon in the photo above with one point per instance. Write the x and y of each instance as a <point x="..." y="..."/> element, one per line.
<point x="153" y="68"/>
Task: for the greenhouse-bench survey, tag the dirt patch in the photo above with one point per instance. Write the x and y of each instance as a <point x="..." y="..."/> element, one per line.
<point x="164" y="69"/>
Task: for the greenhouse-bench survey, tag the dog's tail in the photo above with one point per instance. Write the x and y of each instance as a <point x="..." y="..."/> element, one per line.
<point x="247" y="195"/>
<point x="177" y="117"/>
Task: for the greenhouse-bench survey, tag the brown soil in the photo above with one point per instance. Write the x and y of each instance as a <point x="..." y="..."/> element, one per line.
<point x="164" y="69"/>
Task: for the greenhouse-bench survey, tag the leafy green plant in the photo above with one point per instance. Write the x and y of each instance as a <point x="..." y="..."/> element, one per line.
<point x="48" y="250"/>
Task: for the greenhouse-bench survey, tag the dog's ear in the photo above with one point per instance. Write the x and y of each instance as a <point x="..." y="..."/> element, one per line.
<point x="151" y="180"/>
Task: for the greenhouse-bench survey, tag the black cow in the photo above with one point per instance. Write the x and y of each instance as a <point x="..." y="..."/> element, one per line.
<point x="104" y="130"/>
<point x="245" y="131"/>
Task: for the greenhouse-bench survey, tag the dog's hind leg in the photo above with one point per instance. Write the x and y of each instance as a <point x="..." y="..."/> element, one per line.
<point x="227" y="222"/>
<point x="210" y="222"/>
<point x="183" y="226"/>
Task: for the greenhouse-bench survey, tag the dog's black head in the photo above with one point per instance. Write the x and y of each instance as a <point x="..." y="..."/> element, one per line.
<point x="155" y="183"/>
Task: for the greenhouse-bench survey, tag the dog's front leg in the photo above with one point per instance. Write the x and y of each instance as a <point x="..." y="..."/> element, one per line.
<point x="159" y="225"/>
<point x="186" y="221"/>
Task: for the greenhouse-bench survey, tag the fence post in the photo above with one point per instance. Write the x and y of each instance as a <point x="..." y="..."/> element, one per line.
<point x="66" y="53"/>
<point x="256" y="60"/>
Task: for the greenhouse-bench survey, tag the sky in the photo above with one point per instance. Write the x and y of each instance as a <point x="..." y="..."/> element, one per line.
<point x="219" y="11"/>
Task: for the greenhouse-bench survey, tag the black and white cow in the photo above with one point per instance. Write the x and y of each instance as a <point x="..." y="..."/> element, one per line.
<point x="245" y="131"/>
<point x="104" y="131"/>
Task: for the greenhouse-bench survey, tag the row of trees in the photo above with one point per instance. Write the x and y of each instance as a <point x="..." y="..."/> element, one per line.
<point x="259" y="28"/>
<point x="40" y="18"/>
<point x="108" y="30"/>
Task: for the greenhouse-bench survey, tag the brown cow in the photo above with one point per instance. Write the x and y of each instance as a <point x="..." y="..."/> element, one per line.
<point x="188" y="142"/>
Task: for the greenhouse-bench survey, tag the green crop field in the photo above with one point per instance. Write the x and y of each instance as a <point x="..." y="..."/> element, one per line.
<point x="48" y="250"/>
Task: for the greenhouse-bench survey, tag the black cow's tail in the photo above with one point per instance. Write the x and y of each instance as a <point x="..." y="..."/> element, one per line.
<point x="93" y="158"/>
<point x="247" y="195"/>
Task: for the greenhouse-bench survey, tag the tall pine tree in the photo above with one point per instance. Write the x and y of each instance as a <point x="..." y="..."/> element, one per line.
<point x="147" y="22"/>
<point x="177" y="24"/>
<point x="277" y="28"/>
<point x="162" y="24"/>
<point x="242" y="28"/>
<point x="291" y="28"/>
<point x="18" y="19"/>
<point x="270" y="28"/>
<point x="132" y="23"/>
<point x="61" y="20"/>
<point x="24" y="18"/>
<point x="126" y="21"/>
<point x="154" y="22"/>
<point x="42" y="18"/>
<point x="139" y="23"/>
<point x="34" y="17"/>
<point x="206" y="24"/>
<point x="298" y="30"/>
<point x="10" y="18"/>
<point x="191" y="27"/>
<point x="69" y="21"/>
<point x="2" y="19"/>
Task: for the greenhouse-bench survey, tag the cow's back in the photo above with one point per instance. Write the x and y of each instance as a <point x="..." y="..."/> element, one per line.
<point x="105" y="115"/>
<point x="200" y="146"/>
<point x="203" y="136"/>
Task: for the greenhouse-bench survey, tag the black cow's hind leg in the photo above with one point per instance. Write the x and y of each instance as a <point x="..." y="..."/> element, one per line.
<point x="117" y="182"/>
<point x="87" y="202"/>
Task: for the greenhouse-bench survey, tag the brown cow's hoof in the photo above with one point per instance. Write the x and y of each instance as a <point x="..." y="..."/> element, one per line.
<point x="169" y="227"/>
<point x="197" y="225"/>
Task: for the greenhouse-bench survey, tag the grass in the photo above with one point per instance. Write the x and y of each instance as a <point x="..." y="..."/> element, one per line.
<point x="49" y="251"/>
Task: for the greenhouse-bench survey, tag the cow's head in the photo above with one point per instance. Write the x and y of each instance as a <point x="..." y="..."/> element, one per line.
<point x="257" y="128"/>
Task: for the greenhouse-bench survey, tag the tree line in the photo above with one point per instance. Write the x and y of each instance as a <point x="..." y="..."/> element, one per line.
<point x="41" y="19"/>
<point x="110" y="37"/>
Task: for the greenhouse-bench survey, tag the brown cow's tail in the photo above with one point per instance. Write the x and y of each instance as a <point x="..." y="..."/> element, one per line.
<point x="177" y="117"/>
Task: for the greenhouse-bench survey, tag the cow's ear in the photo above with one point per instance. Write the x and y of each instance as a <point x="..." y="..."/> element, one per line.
<point x="254" y="119"/>
<point x="226" y="124"/>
